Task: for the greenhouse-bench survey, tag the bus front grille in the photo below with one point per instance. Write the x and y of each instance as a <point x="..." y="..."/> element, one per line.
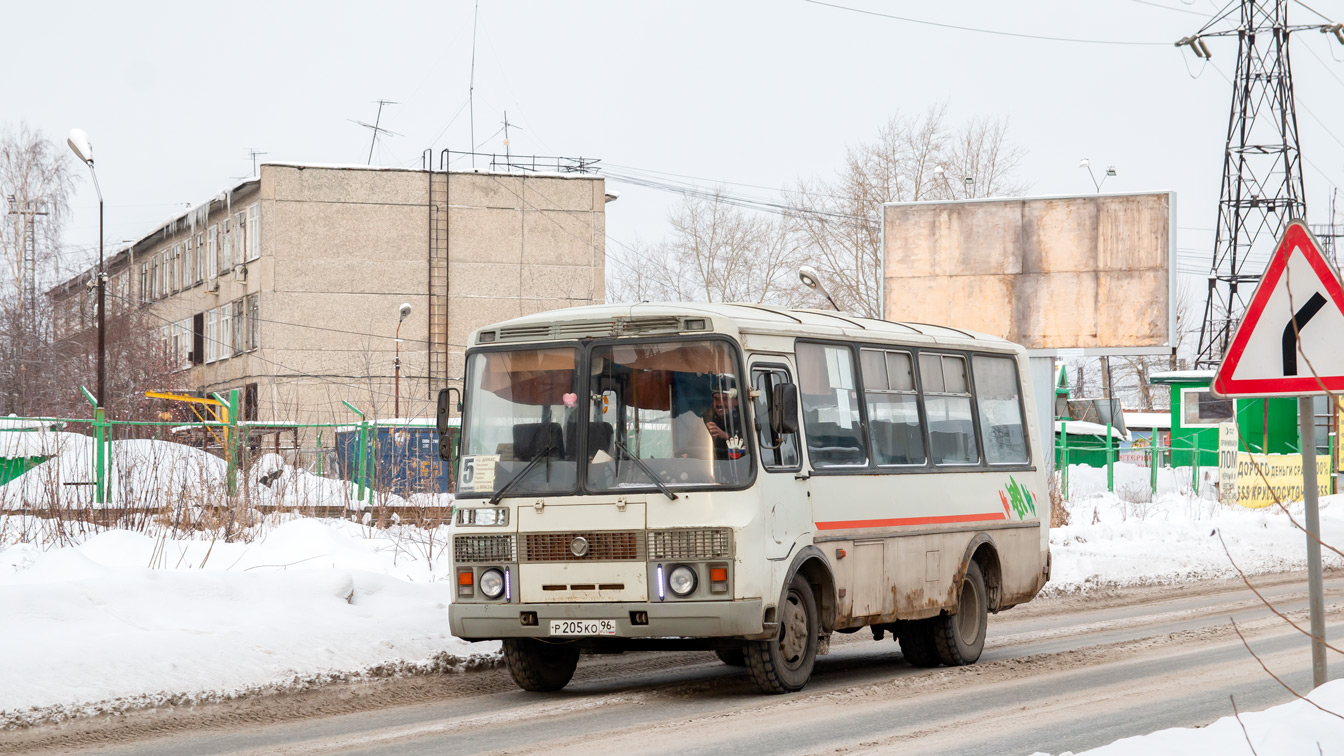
<point x="690" y="544"/>
<point x="483" y="548"/>
<point x="620" y="546"/>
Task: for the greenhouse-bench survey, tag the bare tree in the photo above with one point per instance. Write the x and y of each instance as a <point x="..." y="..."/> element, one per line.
<point x="35" y="183"/>
<point x="717" y="252"/>
<point x="838" y="222"/>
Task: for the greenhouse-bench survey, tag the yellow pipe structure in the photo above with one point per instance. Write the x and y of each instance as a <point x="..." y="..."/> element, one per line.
<point x="221" y="414"/>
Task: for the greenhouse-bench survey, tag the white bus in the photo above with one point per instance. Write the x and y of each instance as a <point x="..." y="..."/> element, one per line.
<point x="744" y="479"/>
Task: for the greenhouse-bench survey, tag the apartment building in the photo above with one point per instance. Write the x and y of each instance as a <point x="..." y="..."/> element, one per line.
<point x="288" y="286"/>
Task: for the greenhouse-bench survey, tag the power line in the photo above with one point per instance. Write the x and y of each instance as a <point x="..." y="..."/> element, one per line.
<point x="996" y="32"/>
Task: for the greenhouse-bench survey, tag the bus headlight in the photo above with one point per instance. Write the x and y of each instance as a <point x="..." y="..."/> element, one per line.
<point x="681" y="580"/>
<point x="491" y="583"/>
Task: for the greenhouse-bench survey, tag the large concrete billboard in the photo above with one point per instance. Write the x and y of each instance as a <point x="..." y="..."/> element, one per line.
<point x="1091" y="272"/>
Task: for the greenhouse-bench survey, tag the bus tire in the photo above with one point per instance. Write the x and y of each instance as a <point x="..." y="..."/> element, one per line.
<point x="733" y="657"/>
<point x="960" y="637"/>
<point x="917" y="642"/>
<point x="784" y="665"/>
<point x="540" y="667"/>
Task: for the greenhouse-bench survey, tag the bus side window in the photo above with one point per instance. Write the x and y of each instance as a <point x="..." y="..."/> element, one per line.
<point x="778" y="452"/>
<point x="999" y="401"/>
<point x="893" y="408"/>
<point x="828" y="387"/>
<point x="947" y="404"/>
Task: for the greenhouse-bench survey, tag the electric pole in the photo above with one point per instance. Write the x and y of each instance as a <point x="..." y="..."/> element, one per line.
<point x="1262" y="163"/>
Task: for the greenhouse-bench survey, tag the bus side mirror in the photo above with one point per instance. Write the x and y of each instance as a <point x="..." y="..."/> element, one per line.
<point x="445" y="413"/>
<point x="784" y="409"/>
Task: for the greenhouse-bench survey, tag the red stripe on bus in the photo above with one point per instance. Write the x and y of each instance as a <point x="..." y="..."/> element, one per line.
<point x="898" y="521"/>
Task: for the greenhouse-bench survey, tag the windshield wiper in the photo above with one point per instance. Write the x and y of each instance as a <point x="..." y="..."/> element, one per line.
<point x="544" y="456"/>
<point x="657" y="481"/>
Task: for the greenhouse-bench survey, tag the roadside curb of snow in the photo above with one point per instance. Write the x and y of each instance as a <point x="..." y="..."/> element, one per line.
<point x="440" y="663"/>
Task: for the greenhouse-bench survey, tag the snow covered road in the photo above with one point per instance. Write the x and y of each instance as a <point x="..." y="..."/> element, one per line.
<point x="1065" y="673"/>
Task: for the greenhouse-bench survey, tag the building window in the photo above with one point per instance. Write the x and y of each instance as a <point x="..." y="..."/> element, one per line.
<point x="163" y="274"/>
<point x="212" y="252"/>
<point x="1201" y="409"/>
<point x="200" y="257"/>
<point x="211" y="335"/>
<point x="947" y="404"/>
<point x="189" y="275"/>
<point x="198" y="338"/>
<point x="154" y="278"/>
<point x="240" y="231"/>
<point x="253" y="232"/>
<point x="226" y="330"/>
<point x="226" y="247"/>
<point x="239" y="328"/>
<point x="144" y="282"/>
<point x="253" y="322"/>
<point x="176" y="275"/>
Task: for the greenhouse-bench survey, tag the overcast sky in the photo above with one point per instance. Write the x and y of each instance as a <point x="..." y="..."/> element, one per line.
<point x="174" y="94"/>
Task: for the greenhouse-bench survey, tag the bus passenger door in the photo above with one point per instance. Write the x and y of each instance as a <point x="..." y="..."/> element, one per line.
<point x="783" y="491"/>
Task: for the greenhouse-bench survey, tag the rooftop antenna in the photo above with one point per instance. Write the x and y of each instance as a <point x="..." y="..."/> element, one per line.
<point x="375" y="127"/>
<point x="508" y="159"/>
<point x="253" y="152"/>
<point x="471" y="86"/>
<point x="812" y="280"/>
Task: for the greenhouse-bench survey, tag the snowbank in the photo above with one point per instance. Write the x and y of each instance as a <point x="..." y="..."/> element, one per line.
<point x="1291" y="729"/>
<point x="1133" y="537"/>
<point x="309" y="600"/>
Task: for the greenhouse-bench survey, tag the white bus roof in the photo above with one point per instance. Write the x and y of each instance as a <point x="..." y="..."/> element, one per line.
<point x="649" y="318"/>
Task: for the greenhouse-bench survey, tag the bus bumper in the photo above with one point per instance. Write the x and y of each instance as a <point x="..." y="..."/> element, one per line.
<point x="684" y="619"/>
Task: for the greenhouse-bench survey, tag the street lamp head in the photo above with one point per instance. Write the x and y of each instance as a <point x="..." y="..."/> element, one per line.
<point x="1110" y="170"/>
<point x="809" y="276"/>
<point x="79" y="144"/>
<point x="1084" y="163"/>
<point x="938" y="171"/>
<point x="405" y="311"/>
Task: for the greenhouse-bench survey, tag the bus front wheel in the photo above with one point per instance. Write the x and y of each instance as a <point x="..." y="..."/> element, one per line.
<point x="960" y="637"/>
<point x="784" y="665"/>
<point x="540" y="667"/>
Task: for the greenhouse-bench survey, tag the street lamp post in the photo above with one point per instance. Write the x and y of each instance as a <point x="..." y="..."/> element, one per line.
<point x="79" y="144"/>
<point x="1110" y="172"/>
<point x="396" y="364"/>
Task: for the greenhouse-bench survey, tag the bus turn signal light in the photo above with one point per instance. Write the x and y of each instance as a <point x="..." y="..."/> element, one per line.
<point x="718" y="579"/>
<point x="466" y="582"/>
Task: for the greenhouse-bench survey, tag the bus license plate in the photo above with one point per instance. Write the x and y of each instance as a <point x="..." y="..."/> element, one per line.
<point x="583" y="627"/>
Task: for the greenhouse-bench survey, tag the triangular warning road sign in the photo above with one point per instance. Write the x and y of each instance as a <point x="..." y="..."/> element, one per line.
<point x="1291" y="340"/>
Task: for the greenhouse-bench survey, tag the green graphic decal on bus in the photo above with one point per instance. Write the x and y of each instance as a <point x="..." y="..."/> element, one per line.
<point x="1018" y="500"/>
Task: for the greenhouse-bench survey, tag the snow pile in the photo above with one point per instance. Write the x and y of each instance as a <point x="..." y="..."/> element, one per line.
<point x="1133" y="537"/>
<point x="309" y="601"/>
<point x="41" y="442"/>
<point x="1294" y="728"/>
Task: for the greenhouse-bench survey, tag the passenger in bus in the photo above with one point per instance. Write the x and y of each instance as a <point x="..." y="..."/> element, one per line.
<point x="724" y="423"/>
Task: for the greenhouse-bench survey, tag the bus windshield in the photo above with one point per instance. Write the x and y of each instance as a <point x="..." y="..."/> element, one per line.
<point x="669" y="413"/>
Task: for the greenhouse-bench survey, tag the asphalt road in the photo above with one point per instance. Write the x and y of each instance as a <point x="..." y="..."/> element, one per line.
<point x="1058" y="674"/>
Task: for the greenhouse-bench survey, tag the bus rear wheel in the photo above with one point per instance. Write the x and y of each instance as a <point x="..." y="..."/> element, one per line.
<point x="917" y="642"/>
<point x="784" y="665"/>
<point x="733" y="657"/>
<point x="540" y="667"/>
<point x="960" y="637"/>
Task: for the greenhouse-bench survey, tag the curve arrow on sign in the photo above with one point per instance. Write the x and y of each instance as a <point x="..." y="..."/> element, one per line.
<point x="1294" y="329"/>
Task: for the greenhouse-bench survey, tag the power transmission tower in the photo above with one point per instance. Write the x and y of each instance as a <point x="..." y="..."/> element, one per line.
<point x="1262" y="173"/>
<point x="26" y="246"/>
<point x="376" y="127"/>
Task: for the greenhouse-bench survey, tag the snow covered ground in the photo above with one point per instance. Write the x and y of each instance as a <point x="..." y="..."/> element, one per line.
<point x="1292" y="729"/>
<point x="124" y="619"/>
<point x="107" y="620"/>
